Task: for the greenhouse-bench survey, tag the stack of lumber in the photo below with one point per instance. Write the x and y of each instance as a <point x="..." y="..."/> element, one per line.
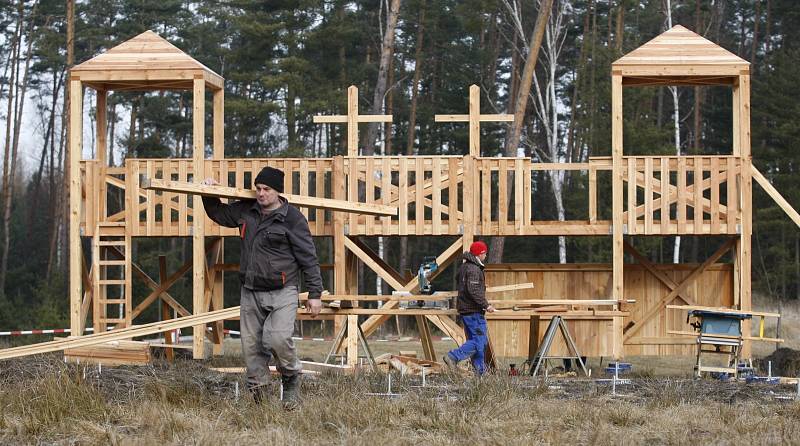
<point x="407" y="365"/>
<point x="111" y="353"/>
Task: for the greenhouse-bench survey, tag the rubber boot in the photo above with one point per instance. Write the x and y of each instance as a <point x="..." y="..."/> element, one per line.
<point x="259" y="394"/>
<point x="291" y="392"/>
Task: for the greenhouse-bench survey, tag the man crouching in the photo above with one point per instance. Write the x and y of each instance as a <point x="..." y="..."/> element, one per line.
<point x="276" y="246"/>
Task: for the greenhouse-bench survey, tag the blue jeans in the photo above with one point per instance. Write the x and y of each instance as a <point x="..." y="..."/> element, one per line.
<point x="473" y="348"/>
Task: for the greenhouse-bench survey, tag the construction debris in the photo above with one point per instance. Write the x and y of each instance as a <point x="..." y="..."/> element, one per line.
<point x="407" y="365"/>
<point x="111" y="353"/>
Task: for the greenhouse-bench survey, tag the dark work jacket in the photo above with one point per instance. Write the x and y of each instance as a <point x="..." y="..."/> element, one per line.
<point x="471" y="286"/>
<point x="275" y="247"/>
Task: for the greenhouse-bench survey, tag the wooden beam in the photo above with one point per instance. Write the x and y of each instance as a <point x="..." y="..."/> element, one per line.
<point x="372" y="264"/>
<point x="775" y="195"/>
<point x="649" y="266"/>
<point x="444" y="259"/>
<point x="198" y="223"/>
<point x="617" y="250"/>
<point x="75" y="139"/>
<point x="297" y="200"/>
<point x="652" y="311"/>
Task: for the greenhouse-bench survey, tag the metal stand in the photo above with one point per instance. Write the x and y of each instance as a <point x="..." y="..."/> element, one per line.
<point x="542" y="354"/>
<point x="338" y="340"/>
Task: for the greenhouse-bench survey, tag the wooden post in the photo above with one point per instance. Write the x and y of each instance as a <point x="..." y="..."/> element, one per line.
<point x="339" y="257"/>
<point x="165" y="309"/>
<point x="218" y="293"/>
<point x="198" y="222"/>
<point x="744" y="250"/>
<point x="468" y="191"/>
<point x="102" y="154"/>
<point x="75" y="251"/>
<point x="352" y="120"/>
<point x="617" y="194"/>
<point x="474" y="119"/>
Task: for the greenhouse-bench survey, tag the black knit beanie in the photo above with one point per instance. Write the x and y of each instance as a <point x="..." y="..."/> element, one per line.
<point x="272" y="177"/>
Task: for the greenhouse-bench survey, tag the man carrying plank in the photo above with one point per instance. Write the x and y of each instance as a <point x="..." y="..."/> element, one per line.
<point x="276" y="246"/>
<point x="472" y="305"/>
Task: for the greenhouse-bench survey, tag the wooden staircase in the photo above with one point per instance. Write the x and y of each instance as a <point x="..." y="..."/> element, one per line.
<point x="111" y="254"/>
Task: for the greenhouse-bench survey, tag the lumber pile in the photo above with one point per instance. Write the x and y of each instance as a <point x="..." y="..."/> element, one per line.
<point x="111" y="353"/>
<point x="407" y="365"/>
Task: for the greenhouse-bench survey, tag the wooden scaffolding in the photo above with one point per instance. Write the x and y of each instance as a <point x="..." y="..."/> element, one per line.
<point x="460" y="197"/>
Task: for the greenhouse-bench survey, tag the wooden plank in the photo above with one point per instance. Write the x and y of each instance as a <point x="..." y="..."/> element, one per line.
<point x="474" y="120"/>
<point x="490" y="117"/>
<point x="297" y="200"/>
<point x="519" y="169"/>
<point x="452" y="195"/>
<point x="502" y="195"/>
<point x="593" y="197"/>
<point x="746" y="206"/>
<point x="352" y="121"/>
<point x="425" y="338"/>
<point x="183" y="214"/>
<point x="648" y="196"/>
<point x="732" y="196"/>
<point x="664" y="196"/>
<point x="150" y="212"/>
<point x="319" y="191"/>
<point x="722" y="310"/>
<point x="386" y="194"/>
<point x="698" y="196"/>
<point x="419" y="208"/>
<point x="436" y="197"/>
<point x="303" y="184"/>
<point x="714" y="195"/>
<point x="402" y="185"/>
<point x="486" y="197"/>
<point x="681" y="206"/>
<point x="775" y="195"/>
<point x="352" y="191"/>
<point x="632" y="195"/>
<point x="352" y="340"/>
<point x="75" y="149"/>
<point x="372" y="264"/>
<point x="617" y="205"/>
<point x="370" y="194"/>
<point x="198" y="222"/>
<point x="528" y="205"/>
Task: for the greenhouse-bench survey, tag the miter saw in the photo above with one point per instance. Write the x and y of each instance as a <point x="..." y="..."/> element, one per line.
<point x="425" y="276"/>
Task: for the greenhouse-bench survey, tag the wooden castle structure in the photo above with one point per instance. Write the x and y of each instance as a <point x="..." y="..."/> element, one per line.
<point x="618" y="309"/>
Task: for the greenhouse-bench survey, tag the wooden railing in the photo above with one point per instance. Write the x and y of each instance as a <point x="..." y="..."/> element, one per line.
<point x="681" y="195"/>
<point x="430" y="194"/>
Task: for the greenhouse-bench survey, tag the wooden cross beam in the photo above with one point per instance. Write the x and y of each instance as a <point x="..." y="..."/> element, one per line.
<point x="352" y="118"/>
<point x="475" y="118"/>
<point x="297" y="200"/>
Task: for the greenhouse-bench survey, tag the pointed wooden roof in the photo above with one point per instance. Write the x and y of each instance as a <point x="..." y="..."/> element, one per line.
<point x="680" y="56"/>
<point x="145" y="62"/>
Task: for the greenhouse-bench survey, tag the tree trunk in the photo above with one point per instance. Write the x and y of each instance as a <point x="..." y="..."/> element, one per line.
<point x="521" y="102"/>
<point x="387" y="50"/>
<point x="412" y="118"/>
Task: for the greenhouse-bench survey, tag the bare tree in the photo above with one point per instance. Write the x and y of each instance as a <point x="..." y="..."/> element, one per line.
<point x="676" y="119"/>
<point x="532" y="47"/>
<point x="387" y="50"/>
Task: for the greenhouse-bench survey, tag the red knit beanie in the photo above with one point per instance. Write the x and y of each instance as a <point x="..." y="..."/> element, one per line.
<point x="478" y="248"/>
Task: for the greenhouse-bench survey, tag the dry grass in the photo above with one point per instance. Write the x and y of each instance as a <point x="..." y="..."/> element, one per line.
<point x="46" y="401"/>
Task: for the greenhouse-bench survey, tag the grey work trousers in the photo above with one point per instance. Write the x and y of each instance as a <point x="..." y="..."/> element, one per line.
<point x="267" y="324"/>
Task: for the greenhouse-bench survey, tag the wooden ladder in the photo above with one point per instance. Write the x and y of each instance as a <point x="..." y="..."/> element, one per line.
<point x="111" y="255"/>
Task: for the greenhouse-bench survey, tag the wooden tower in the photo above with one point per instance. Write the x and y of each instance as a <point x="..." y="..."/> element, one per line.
<point x="459" y="198"/>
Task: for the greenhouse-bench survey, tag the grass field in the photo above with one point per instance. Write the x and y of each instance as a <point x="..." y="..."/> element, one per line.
<point x="44" y="401"/>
